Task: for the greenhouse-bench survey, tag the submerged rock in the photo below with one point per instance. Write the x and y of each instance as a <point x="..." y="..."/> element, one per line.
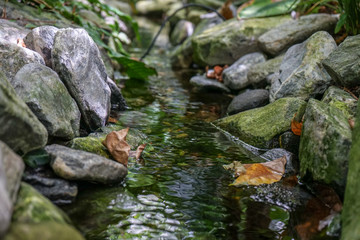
<point x="282" y="37"/>
<point x="301" y="73"/>
<point x="258" y="73"/>
<point x="259" y="126"/>
<point x="11" y="32"/>
<point x="47" y="97"/>
<point x="15" y="118"/>
<point x="324" y="145"/>
<point x="248" y="100"/>
<point x="343" y="64"/>
<point x="340" y="99"/>
<point x="182" y="30"/>
<point x="202" y="83"/>
<point x="83" y="166"/>
<point x="235" y="76"/>
<point x="228" y="41"/>
<point x="77" y="60"/>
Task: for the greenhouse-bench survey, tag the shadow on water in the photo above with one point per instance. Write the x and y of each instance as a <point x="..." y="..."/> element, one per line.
<point x="182" y="191"/>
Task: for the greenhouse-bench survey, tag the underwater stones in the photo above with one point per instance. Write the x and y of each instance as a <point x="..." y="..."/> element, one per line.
<point x="285" y="35"/>
<point x="47" y="97"/>
<point x="324" y="144"/>
<point x="301" y="73"/>
<point x="248" y="100"/>
<point x="259" y="126"/>
<point x="77" y="60"/>
<point x="83" y="166"/>
<point x="202" y="83"/>
<point x="343" y="64"/>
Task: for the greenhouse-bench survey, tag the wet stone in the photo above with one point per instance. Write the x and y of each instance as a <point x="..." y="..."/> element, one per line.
<point x="290" y="142"/>
<point x="292" y="165"/>
<point x="117" y="100"/>
<point x="202" y="83"/>
<point x="248" y="100"/>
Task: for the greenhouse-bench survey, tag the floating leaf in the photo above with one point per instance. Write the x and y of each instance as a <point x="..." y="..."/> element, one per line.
<point x="139" y="150"/>
<point x="266" y="8"/>
<point x="116" y="143"/>
<point x="296" y="126"/>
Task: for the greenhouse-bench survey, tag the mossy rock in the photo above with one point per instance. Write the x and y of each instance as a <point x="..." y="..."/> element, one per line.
<point x="340" y="99"/>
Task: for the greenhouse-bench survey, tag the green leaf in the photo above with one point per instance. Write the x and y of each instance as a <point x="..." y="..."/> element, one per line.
<point x="266" y="8"/>
<point x="340" y="23"/>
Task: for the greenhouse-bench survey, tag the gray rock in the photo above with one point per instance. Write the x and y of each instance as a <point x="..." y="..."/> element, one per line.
<point x="83" y="166"/>
<point x="154" y="8"/>
<point x="41" y="40"/>
<point x="325" y="144"/>
<point x="343" y="64"/>
<point x="117" y="100"/>
<point x="235" y="76"/>
<point x="248" y="100"/>
<point x="11" y="32"/>
<point x="228" y="41"/>
<point x="340" y="99"/>
<point x="202" y="83"/>
<point x="301" y="74"/>
<point x="182" y="30"/>
<point x="282" y="37"/>
<point x="20" y="129"/>
<point x="47" y="97"/>
<point x="77" y="60"/>
<point x="258" y="73"/>
<point x="11" y="169"/>
<point x="292" y="165"/>
<point x="13" y="57"/>
<point x="290" y="142"/>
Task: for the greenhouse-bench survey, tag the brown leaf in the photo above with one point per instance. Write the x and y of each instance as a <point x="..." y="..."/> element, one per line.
<point x="116" y="143"/>
<point x="351" y="123"/>
<point x="112" y="120"/>
<point x="139" y="151"/>
<point x="296" y="126"/>
<point x="20" y="43"/>
<point x="226" y="10"/>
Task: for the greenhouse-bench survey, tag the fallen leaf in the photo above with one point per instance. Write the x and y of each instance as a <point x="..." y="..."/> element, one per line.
<point x="351" y="123"/>
<point x="20" y="43"/>
<point x="139" y="151"/>
<point x="226" y="10"/>
<point x="296" y="126"/>
<point x="112" y="120"/>
<point x="116" y="143"/>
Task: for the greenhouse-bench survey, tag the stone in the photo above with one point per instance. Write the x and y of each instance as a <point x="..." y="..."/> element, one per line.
<point x="258" y="73"/>
<point x="15" y="118"/>
<point x="235" y="76"/>
<point x="210" y="3"/>
<point x="11" y="32"/>
<point x="343" y="64"/>
<point x="90" y="144"/>
<point x="283" y="36"/>
<point x="204" y="84"/>
<point x="259" y="126"/>
<point x="228" y="41"/>
<point x="351" y="210"/>
<point x="182" y="30"/>
<point x="47" y="97"/>
<point x="83" y="166"/>
<point x="155" y="8"/>
<point x="290" y="142"/>
<point x="14" y="57"/>
<point x="324" y="145"/>
<point x="340" y="99"/>
<point x="248" y="100"/>
<point x="41" y="40"/>
<point x="291" y="166"/>
<point x="301" y="73"/>
<point x="77" y="60"/>
<point x="117" y="100"/>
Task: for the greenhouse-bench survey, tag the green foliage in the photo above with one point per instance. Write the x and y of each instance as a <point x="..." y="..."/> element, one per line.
<point x="266" y="8"/>
<point x="314" y="6"/>
<point x="350" y="16"/>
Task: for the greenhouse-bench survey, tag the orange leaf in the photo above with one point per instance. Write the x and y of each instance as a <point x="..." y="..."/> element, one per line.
<point x="112" y="120"/>
<point x="20" y="42"/>
<point x="296" y="126"/>
<point x="116" y="143"/>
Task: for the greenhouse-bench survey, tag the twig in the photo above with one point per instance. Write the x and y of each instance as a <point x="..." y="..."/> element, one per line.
<point x="352" y="94"/>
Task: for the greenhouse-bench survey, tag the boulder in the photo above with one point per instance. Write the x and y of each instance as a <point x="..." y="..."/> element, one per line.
<point x="182" y="30"/>
<point x="77" y="60"/>
<point x="280" y="38"/>
<point x="248" y="100"/>
<point x="83" y="166"/>
<point x="340" y="99"/>
<point x="20" y="129"/>
<point x="11" y="32"/>
<point x="235" y="76"/>
<point x="290" y="142"/>
<point x="154" y="8"/>
<point x="41" y="40"/>
<point x="204" y="84"/>
<point x="14" y="57"/>
<point x="228" y="41"/>
<point x="117" y="100"/>
<point x="259" y="126"/>
<point x="258" y="73"/>
<point x="47" y="97"/>
<point x="324" y="145"/>
<point x="351" y="210"/>
<point x="301" y="73"/>
<point x="343" y="64"/>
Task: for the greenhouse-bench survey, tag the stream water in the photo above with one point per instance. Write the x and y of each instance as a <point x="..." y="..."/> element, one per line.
<point x="182" y="191"/>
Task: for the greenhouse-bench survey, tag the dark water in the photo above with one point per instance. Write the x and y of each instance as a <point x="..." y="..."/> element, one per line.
<point x="182" y="191"/>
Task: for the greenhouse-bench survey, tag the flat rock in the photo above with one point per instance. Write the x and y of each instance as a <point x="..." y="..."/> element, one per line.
<point x="259" y="126"/>
<point x="11" y="32"/>
<point x="228" y="41"/>
<point x="83" y="166"/>
<point x="202" y="83"/>
<point x="258" y="73"/>
<point x="248" y="100"/>
<point x="325" y="144"/>
<point x="301" y="73"/>
<point x="235" y="76"/>
<point x="41" y="40"/>
<point x="15" y="118"/>
<point x="343" y="64"/>
<point x="77" y="60"/>
<point x="340" y="99"/>
<point x="47" y="97"/>
<point x="282" y="37"/>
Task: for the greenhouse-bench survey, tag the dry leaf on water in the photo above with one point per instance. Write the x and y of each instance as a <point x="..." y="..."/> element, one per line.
<point x="296" y="126"/>
<point x="138" y="152"/>
<point x="258" y="173"/>
<point x="116" y="143"/>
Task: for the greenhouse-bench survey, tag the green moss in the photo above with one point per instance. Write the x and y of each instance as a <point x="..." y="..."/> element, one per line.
<point x="90" y="144"/>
